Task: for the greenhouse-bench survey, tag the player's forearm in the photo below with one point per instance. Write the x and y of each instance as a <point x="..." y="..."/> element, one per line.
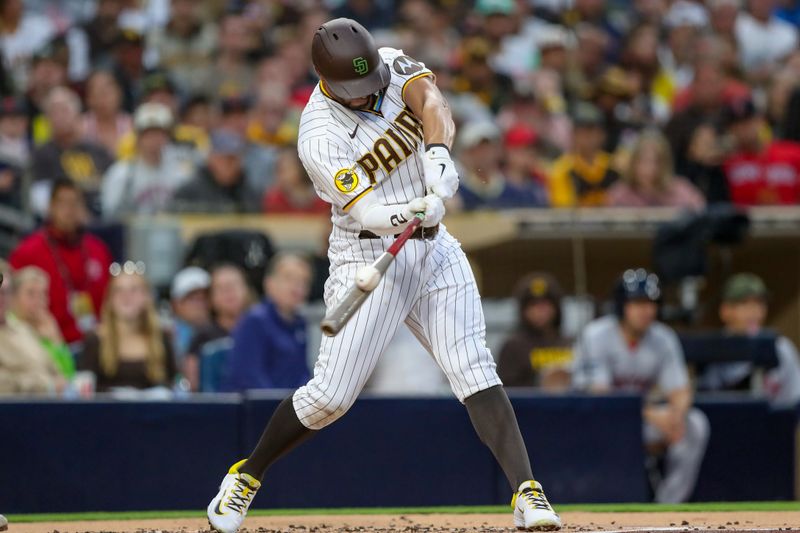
<point x="680" y="400"/>
<point x="437" y="121"/>
<point x="381" y="219"/>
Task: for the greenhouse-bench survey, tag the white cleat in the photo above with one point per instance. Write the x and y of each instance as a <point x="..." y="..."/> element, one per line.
<point x="228" y="509"/>
<point x="532" y="511"/>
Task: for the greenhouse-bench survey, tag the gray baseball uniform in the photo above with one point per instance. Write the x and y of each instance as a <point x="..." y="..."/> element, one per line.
<point x="655" y="366"/>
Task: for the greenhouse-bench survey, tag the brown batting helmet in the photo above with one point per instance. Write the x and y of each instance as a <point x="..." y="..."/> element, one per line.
<point x="346" y="57"/>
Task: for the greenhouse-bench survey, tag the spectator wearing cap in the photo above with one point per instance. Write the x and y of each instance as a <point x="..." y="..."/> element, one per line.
<point x="147" y="183"/>
<point x="743" y="311"/>
<point x="229" y="297"/>
<point x="649" y="179"/>
<point x="104" y="121"/>
<point x="684" y="21"/>
<point x="613" y="93"/>
<point x="157" y="87"/>
<point x="76" y="262"/>
<point x="763" y="38"/>
<point x="220" y="186"/>
<point x="582" y="176"/>
<point x="67" y="155"/>
<point x="269" y="343"/>
<point x="483" y="183"/>
<point x="130" y="350"/>
<point x="185" y="46"/>
<point x="759" y="173"/>
<point x="536" y="354"/>
<point x="190" y="308"/>
<point x="477" y="77"/>
<point x="46" y="73"/>
<point x="522" y="165"/>
<point x="21" y="34"/>
<point x="293" y="191"/>
<point x="25" y="367"/>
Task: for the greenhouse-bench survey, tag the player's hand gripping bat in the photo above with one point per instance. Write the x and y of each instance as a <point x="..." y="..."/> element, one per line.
<point x="367" y="279"/>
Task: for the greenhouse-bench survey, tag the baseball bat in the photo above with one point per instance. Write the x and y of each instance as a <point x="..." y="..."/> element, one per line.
<point x="340" y="313"/>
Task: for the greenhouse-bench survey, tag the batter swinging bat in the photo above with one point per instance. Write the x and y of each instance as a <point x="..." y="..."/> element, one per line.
<point x="340" y="313"/>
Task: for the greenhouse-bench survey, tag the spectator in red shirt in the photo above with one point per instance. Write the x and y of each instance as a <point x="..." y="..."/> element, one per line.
<point x="292" y="191"/>
<point x="759" y="173"/>
<point x="76" y="262"/>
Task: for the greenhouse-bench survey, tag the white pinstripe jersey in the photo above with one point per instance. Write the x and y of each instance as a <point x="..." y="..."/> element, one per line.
<point x="349" y="153"/>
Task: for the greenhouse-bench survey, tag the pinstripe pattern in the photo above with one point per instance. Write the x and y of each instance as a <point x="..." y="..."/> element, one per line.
<point x="429" y="286"/>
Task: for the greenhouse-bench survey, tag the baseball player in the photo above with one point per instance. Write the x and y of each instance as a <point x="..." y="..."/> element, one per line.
<point x="632" y="351"/>
<point x="375" y="138"/>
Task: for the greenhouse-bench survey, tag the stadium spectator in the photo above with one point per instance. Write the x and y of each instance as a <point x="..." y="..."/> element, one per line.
<point x="293" y="191"/>
<point x="477" y="77"/>
<point x="25" y="367"/>
<point x="76" y="262"/>
<point x="185" y="46"/>
<point x="763" y="39"/>
<point x="146" y="184"/>
<point x="649" y="179"/>
<point x="190" y="307"/>
<point x="536" y="354"/>
<point x="759" y="173"/>
<point x="230" y="71"/>
<point x="21" y="34"/>
<point x="589" y="61"/>
<point x="229" y="296"/>
<point x="30" y="305"/>
<point x="219" y="186"/>
<point x="46" y="74"/>
<point x="67" y="155"/>
<point x="523" y="167"/>
<point x="743" y="311"/>
<point x="102" y="31"/>
<point x="104" y="122"/>
<point x="722" y="15"/>
<point x="15" y="148"/>
<point x="14" y="152"/>
<point x="685" y="20"/>
<point x="582" y="176"/>
<point x="130" y="349"/>
<point x="704" y="100"/>
<point x="632" y="351"/>
<point x="127" y="66"/>
<point x="269" y="344"/>
<point x="158" y="88"/>
<point x="272" y="126"/>
<point x="612" y="94"/>
<point x="703" y="164"/>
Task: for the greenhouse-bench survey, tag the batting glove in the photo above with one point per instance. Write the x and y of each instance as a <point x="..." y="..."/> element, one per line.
<point x="441" y="176"/>
<point x="431" y="205"/>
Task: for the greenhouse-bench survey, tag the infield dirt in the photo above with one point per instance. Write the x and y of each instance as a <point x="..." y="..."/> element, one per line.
<point x="720" y="522"/>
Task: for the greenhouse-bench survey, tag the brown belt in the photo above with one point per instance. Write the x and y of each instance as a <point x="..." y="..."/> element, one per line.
<point x="422" y="234"/>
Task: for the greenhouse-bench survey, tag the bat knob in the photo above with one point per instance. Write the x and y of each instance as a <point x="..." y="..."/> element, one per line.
<point x="329" y="328"/>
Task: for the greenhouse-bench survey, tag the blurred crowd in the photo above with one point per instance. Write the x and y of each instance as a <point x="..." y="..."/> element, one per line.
<point x="180" y="106"/>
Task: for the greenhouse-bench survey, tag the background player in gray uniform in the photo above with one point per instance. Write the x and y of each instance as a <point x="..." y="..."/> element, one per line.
<point x="743" y="311"/>
<point x="375" y="139"/>
<point x="631" y="351"/>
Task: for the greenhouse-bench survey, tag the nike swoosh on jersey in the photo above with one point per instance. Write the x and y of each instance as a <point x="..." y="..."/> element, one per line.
<point x="353" y="135"/>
